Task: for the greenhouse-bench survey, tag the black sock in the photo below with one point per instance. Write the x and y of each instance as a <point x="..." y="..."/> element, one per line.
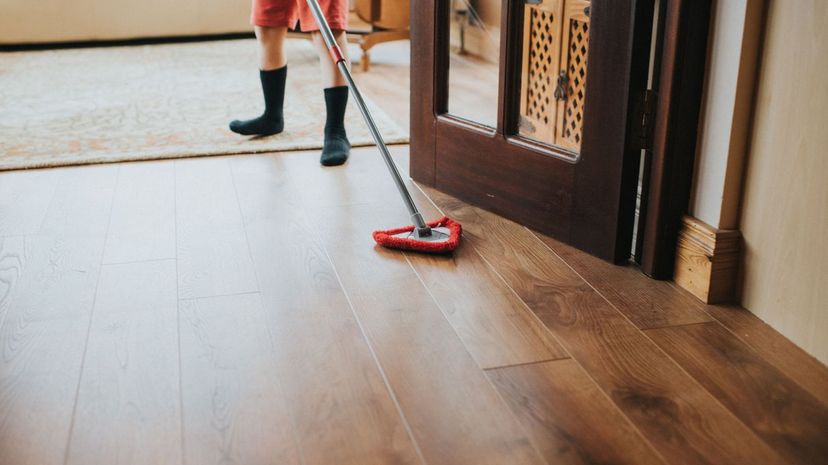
<point x="336" y="148"/>
<point x="271" y="121"/>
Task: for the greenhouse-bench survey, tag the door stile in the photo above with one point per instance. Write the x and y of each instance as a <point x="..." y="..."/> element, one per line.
<point x="603" y="213"/>
<point x="504" y="65"/>
<point x="681" y="79"/>
<point x="423" y="98"/>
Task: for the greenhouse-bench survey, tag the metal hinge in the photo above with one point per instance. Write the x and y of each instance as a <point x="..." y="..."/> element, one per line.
<point x="644" y="120"/>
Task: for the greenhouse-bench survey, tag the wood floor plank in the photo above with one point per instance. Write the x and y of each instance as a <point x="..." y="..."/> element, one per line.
<point x="142" y="225"/>
<point x="264" y="186"/>
<point x="342" y="408"/>
<point x="12" y="254"/>
<point x="82" y="200"/>
<point x="455" y="414"/>
<point x="24" y="199"/>
<point x="234" y="407"/>
<point x="37" y="392"/>
<point x="213" y="254"/>
<point x="214" y="263"/>
<point x="778" y="350"/>
<point x="682" y="420"/>
<point x="651" y="304"/>
<point x="205" y="195"/>
<point x="782" y="413"/>
<point x="128" y="408"/>
<point x="646" y="302"/>
<point x="363" y="180"/>
<point x="42" y="340"/>
<point x="57" y="276"/>
<point x="568" y="417"/>
<point x="493" y="323"/>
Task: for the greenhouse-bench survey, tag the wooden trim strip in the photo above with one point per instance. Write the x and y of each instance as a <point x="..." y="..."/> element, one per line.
<point x="707" y="260"/>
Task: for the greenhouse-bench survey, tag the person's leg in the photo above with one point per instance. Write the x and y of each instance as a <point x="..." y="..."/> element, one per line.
<point x="273" y="74"/>
<point x="331" y="77"/>
<point x="336" y="147"/>
<point x="271" y="47"/>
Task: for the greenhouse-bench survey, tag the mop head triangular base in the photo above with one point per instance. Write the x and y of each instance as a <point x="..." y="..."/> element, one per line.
<point x="444" y="239"/>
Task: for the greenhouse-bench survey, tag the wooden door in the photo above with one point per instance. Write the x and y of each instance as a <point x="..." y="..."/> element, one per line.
<point x="554" y="72"/>
<point x="561" y="154"/>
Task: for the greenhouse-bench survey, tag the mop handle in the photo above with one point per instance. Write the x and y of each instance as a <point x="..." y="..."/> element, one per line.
<point x="336" y="55"/>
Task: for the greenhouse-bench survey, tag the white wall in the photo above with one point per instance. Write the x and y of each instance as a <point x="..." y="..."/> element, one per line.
<point x="28" y="21"/>
<point x="726" y="111"/>
<point x="785" y="206"/>
<point x="762" y="162"/>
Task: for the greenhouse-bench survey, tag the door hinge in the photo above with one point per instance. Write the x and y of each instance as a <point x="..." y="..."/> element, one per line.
<point x="644" y="120"/>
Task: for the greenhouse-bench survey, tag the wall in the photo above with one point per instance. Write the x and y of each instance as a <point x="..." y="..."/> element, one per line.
<point x="27" y="21"/>
<point x="735" y="31"/>
<point x="785" y="205"/>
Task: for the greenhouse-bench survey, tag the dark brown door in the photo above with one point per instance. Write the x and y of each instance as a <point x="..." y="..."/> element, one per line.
<point x="523" y="107"/>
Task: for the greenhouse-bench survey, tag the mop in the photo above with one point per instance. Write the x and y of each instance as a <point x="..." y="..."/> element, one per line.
<point x="440" y="236"/>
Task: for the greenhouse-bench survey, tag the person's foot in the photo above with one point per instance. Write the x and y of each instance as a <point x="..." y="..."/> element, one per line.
<point x="271" y="121"/>
<point x="336" y="148"/>
<point x="261" y="126"/>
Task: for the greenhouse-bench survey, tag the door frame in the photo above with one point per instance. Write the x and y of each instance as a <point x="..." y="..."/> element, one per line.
<point x="668" y="176"/>
<point x="594" y="216"/>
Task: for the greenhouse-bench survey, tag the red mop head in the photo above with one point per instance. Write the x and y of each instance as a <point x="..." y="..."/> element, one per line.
<point x="397" y="239"/>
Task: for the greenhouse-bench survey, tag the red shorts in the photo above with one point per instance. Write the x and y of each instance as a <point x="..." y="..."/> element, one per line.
<point x="281" y="13"/>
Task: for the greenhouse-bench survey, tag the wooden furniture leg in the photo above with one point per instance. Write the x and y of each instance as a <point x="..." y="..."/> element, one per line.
<point x="367" y="41"/>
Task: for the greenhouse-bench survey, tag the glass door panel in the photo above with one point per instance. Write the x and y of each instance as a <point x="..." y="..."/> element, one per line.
<point x="474" y="50"/>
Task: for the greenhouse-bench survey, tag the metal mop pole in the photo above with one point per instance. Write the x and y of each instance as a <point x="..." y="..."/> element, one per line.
<point x="336" y="55"/>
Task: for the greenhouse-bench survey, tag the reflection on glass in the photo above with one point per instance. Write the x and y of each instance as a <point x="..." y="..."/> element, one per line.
<point x="554" y="72"/>
<point x="474" y="55"/>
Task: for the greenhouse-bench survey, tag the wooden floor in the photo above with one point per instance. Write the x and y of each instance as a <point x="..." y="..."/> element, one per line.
<point x="234" y="310"/>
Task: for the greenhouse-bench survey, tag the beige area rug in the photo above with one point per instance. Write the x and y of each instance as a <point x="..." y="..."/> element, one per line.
<point x="71" y="107"/>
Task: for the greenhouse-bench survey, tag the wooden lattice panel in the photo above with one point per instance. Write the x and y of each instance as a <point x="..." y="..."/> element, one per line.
<point x="574" y="61"/>
<point x="541" y="61"/>
<point x="554" y="74"/>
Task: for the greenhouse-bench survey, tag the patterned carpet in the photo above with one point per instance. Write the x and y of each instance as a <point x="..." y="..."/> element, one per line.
<point x="71" y="107"/>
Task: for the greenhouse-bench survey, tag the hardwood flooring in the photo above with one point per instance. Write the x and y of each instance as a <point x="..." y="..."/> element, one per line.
<point x="232" y="398"/>
<point x="559" y="405"/>
<point x="213" y="255"/>
<point x="127" y="408"/>
<point x="454" y="413"/>
<point x="42" y="342"/>
<point x="234" y="310"/>
<point x="681" y="420"/>
<point x="24" y="198"/>
<point x="142" y="222"/>
<point x="774" y="407"/>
